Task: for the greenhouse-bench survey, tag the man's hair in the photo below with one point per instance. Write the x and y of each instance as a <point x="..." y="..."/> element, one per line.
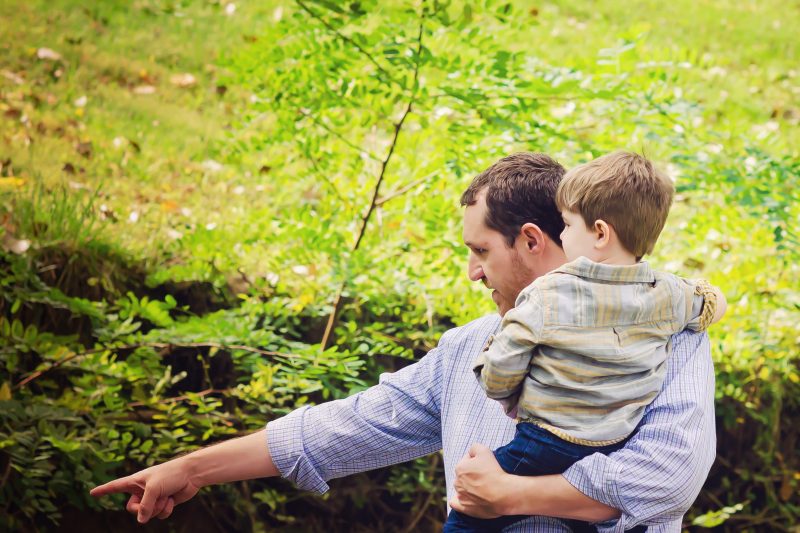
<point x="626" y="191"/>
<point x="520" y="188"/>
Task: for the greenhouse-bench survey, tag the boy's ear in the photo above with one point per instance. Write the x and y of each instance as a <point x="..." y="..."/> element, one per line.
<point x="602" y="231"/>
<point x="533" y="237"/>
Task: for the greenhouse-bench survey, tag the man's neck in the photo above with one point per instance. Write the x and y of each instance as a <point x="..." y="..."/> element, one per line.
<point x="552" y="258"/>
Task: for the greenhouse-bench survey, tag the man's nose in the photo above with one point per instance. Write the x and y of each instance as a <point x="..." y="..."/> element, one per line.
<point x="474" y="269"/>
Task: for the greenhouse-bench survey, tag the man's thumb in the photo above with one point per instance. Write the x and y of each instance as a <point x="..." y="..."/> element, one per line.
<point x="146" y="507"/>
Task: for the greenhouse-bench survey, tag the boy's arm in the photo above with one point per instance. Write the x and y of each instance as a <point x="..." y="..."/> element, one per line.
<point x="722" y="304"/>
<point x="503" y="365"/>
<point x="704" y="304"/>
<point x="653" y="479"/>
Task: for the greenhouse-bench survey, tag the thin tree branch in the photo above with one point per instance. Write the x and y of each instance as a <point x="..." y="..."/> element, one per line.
<point x="404" y="189"/>
<point x="428" y="501"/>
<point x="166" y="347"/>
<point x="185" y="397"/>
<point x="514" y="96"/>
<point x="324" y="177"/>
<point x="346" y="39"/>
<point x="376" y="191"/>
<point x="6" y="473"/>
<point x="338" y="135"/>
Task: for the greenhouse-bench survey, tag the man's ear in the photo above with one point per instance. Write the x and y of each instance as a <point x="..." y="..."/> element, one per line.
<point x="602" y="231"/>
<point x="533" y="238"/>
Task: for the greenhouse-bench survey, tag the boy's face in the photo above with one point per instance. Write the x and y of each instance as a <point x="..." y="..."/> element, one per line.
<point x="576" y="239"/>
<point x="498" y="266"/>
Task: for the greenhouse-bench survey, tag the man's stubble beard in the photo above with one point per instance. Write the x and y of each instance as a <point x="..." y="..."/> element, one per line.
<point x="522" y="276"/>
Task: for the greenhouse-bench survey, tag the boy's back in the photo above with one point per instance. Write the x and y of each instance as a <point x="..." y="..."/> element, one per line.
<point x="588" y="342"/>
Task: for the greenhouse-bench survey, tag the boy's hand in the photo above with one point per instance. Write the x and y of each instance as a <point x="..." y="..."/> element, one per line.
<point x="154" y="491"/>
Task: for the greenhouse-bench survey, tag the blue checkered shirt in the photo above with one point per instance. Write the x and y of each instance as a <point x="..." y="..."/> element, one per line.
<point x="437" y="404"/>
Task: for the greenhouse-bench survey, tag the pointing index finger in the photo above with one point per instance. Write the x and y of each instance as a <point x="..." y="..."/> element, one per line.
<point x="123" y="484"/>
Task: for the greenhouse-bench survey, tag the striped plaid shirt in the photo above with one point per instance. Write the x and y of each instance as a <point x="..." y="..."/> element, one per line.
<point x="583" y="351"/>
<point x="437" y="404"/>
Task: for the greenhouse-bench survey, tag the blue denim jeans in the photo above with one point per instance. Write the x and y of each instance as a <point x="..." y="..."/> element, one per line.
<point x="532" y="452"/>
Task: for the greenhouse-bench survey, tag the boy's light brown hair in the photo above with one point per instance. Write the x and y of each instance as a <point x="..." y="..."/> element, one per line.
<point x="624" y="189"/>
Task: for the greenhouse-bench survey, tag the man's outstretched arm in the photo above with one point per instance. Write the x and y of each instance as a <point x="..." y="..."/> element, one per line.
<point x="156" y="490"/>
<point x="654" y="479"/>
<point x="392" y="422"/>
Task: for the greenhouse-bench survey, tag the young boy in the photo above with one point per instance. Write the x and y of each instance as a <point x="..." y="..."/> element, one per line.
<point x="584" y="350"/>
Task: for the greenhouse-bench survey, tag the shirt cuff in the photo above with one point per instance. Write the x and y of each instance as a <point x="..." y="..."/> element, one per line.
<point x="594" y="476"/>
<point x="285" y="445"/>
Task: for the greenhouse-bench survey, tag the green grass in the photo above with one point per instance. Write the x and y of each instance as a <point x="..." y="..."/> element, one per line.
<point x="147" y="150"/>
<point x="152" y="153"/>
<point x="182" y="174"/>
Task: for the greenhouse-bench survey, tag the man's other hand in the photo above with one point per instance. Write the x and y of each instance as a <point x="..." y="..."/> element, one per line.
<point x="479" y="484"/>
<point x="154" y="491"/>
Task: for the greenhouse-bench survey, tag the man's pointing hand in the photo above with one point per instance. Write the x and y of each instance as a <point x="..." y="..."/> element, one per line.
<point x="154" y="491"/>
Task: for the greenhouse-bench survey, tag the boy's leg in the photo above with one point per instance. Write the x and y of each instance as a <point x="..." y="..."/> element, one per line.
<point x="532" y="452"/>
<point x="545" y="454"/>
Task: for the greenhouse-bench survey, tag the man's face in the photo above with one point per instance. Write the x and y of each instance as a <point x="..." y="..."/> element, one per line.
<point x="491" y="261"/>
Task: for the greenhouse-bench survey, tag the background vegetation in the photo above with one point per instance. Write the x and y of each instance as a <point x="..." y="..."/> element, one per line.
<point x="212" y="212"/>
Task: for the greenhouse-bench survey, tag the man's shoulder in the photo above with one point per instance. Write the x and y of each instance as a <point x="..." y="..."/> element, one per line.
<point x="477" y="330"/>
<point x="689" y="349"/>
<point x="688" y="343"/>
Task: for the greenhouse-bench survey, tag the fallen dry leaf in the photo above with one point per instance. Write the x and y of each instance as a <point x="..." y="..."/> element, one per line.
<point x="11" y="182"/>
<point x="79" y="186"/>
<point x="169" y="206"/>
<point x="84" y="148"/>
<point x="16" y="78"/>
<point x="174" y="234"/>
<point x="48" y="54"/>
<point x="144" y="89"/>
<point x="184" y="80"/>
<point x="209" y="165"/>
<point x="17" y="246"/>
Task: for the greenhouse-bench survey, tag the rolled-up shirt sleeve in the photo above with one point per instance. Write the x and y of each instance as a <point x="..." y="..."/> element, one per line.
<point x="395" y="421"/>
<point x="657" y="476"/>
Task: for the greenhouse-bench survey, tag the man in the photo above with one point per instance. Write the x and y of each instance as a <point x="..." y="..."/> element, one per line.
<point x="512" y="227"/>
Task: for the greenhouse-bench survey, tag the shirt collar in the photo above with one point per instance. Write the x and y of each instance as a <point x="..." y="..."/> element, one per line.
<point x="586" y="268"/>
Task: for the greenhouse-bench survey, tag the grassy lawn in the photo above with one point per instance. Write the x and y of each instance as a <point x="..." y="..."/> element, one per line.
<point x="118" y="112"/>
